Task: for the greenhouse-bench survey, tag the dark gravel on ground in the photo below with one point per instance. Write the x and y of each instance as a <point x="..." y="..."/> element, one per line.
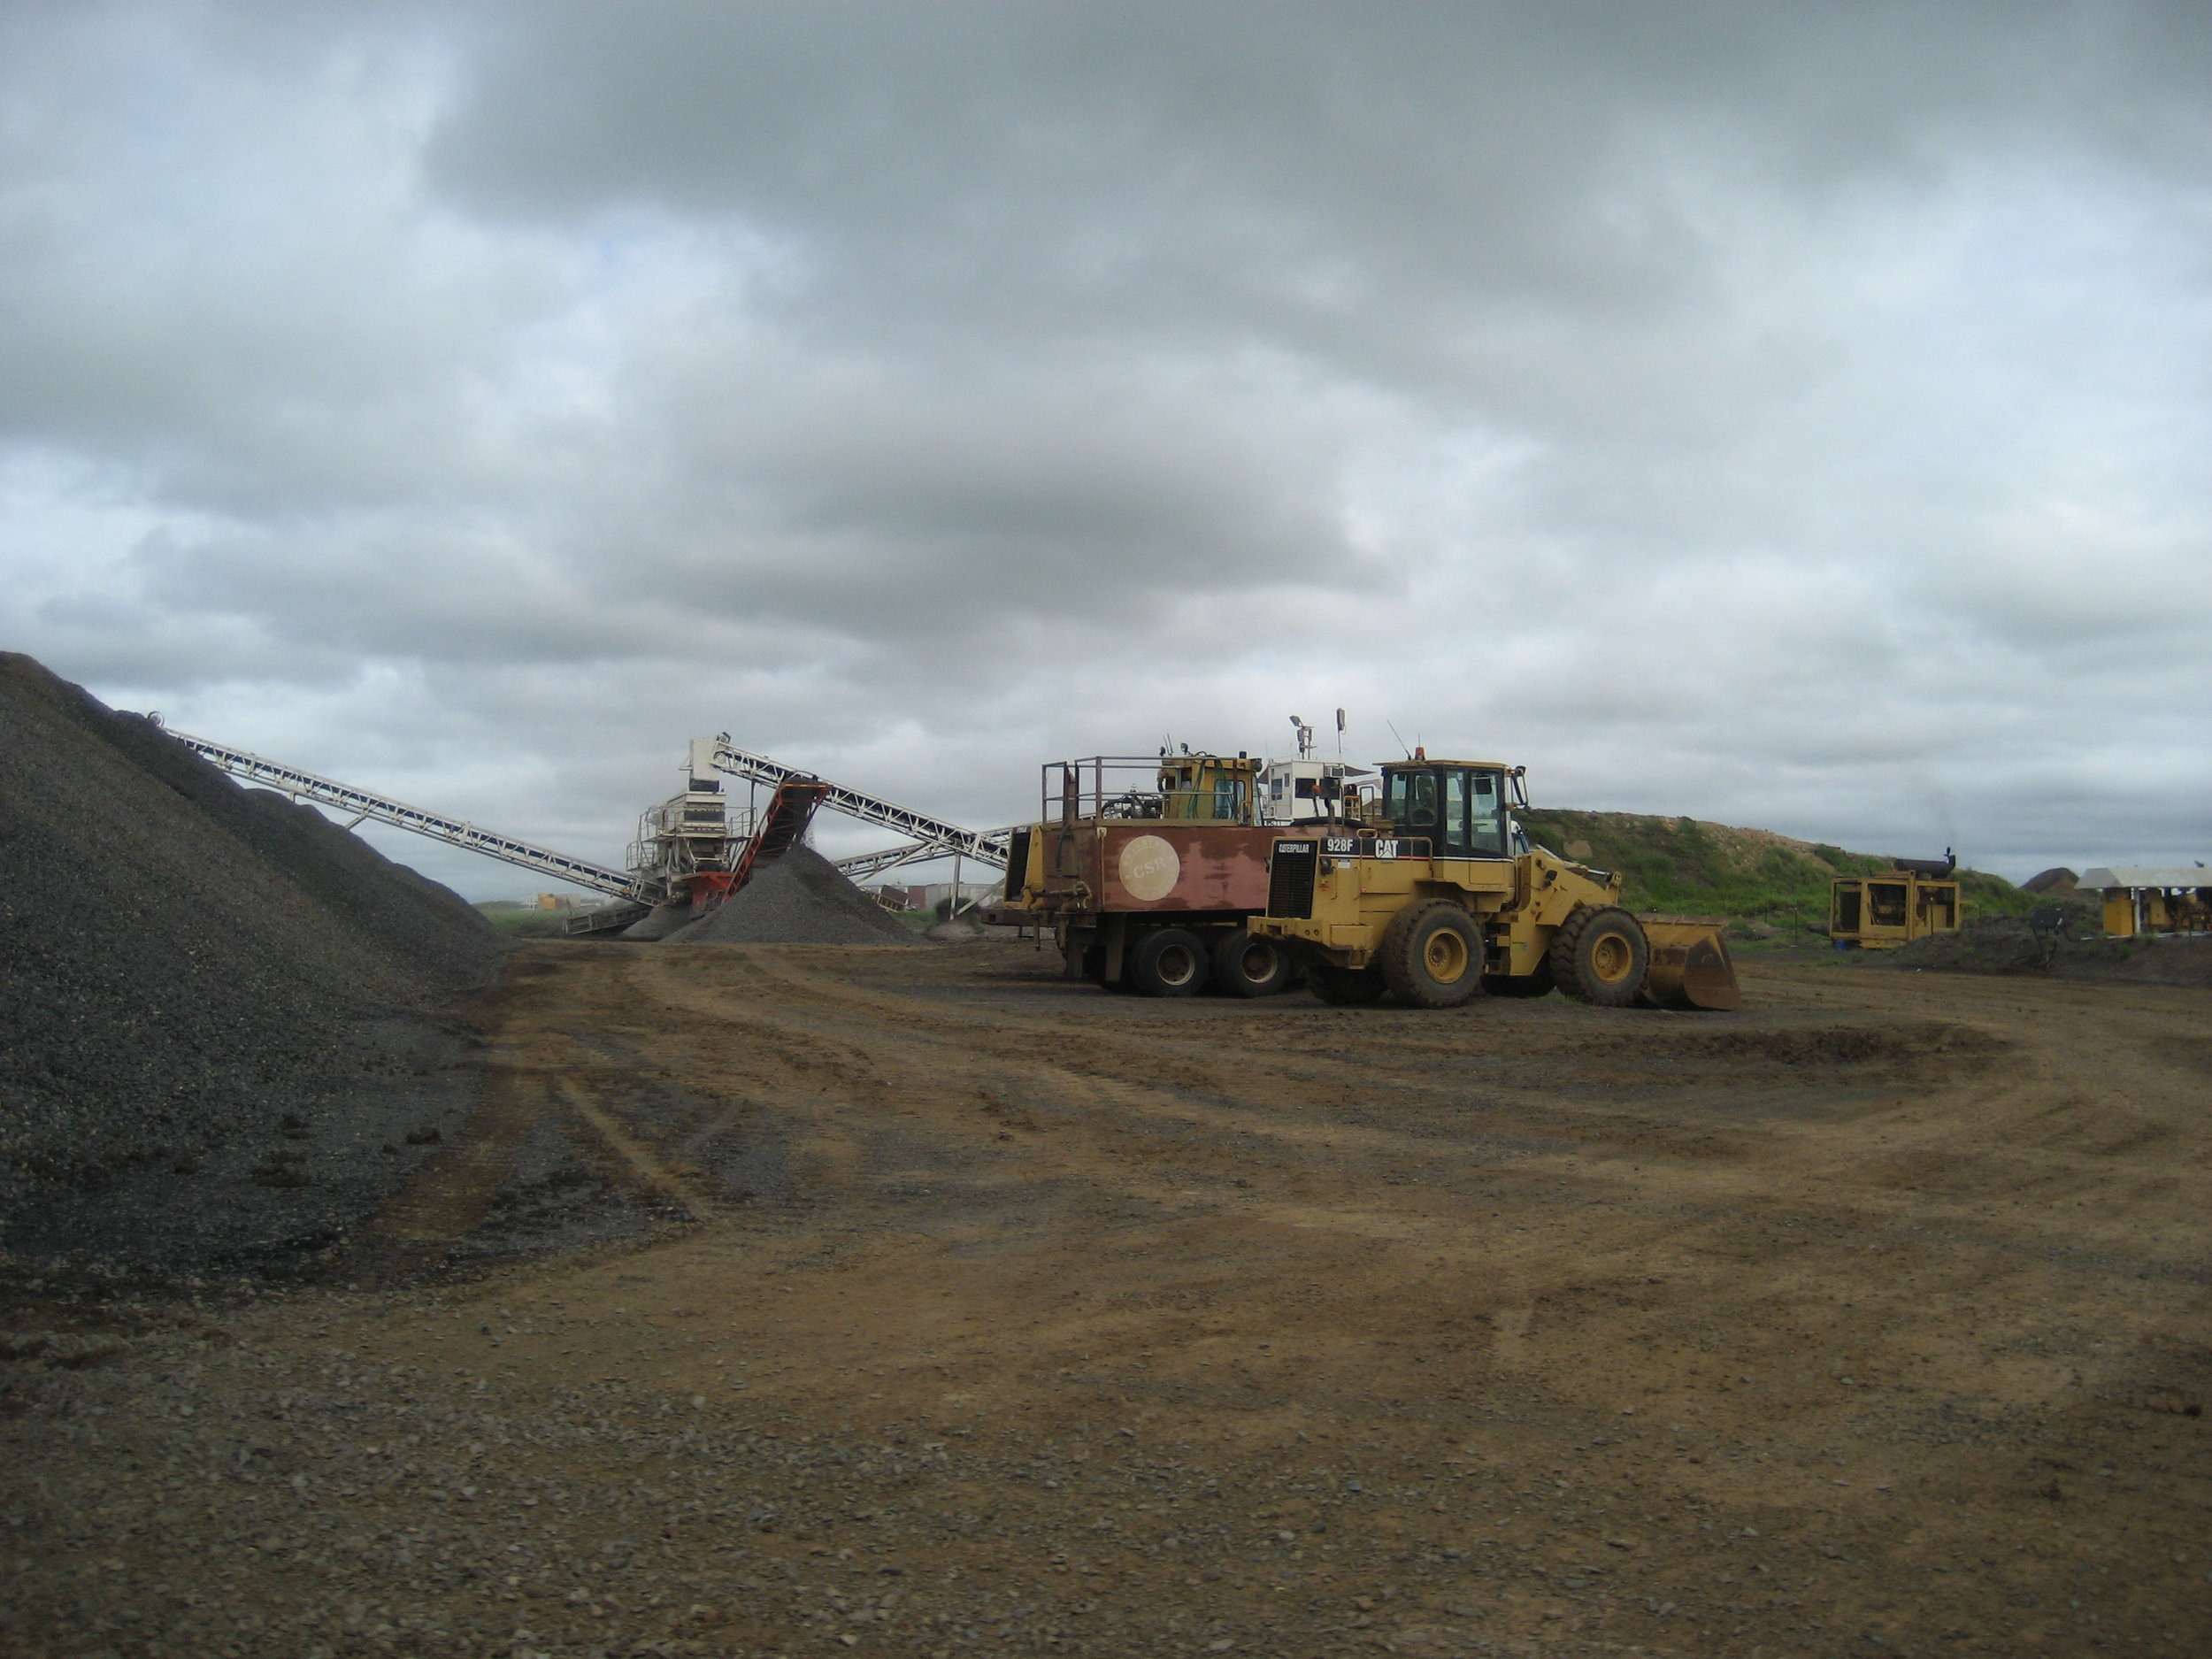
<point x="661" y="921"/>
<point x="224" y="1033"/>
<point x="801" y="899"/>
<point x="2077" y="950"/>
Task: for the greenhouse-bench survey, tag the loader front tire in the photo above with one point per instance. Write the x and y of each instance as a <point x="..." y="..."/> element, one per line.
<point x="1600" y="955"/>
<point x="1169" y="961"/>
<point x="1248" y="966"/>
<point x="1345" y="987"/>
<point x="1431" y="955"/>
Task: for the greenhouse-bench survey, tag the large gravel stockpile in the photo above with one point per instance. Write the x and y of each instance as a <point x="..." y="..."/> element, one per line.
<point x="219" y="1044"/>
<point x="801" y="899"/>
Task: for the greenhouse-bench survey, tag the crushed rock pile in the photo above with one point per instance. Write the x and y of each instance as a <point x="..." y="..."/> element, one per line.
<point x="2008" y="944"/>
<point x="800" y="899"/>
<point x="221" y="1036"/>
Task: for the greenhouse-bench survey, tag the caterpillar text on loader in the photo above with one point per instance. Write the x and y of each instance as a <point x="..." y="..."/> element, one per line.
<point x="1431" y="904"/>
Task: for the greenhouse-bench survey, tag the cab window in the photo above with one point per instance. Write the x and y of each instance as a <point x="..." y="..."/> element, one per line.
<point x="1485" y="814"/>
<point x="1412" y="800"/>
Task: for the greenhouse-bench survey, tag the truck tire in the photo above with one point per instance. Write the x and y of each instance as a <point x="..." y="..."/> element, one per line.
<point x="1345" y="987"/>
<point x="1600" y="955"/>
<point x="1431" y="954"/>
<point x="1169" y="961"/>
<point x="1537" y="984"/>
<point x="1246" y="966"/>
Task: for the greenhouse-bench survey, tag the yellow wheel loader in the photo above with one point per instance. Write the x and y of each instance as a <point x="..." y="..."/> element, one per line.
<point x="1436" y="899"/>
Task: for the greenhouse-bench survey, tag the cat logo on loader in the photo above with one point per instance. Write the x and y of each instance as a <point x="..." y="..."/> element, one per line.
<point x="1433" y="902"/>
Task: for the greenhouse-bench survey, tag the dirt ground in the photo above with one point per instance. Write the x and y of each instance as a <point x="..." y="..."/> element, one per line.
<point x="788" y="1301"/>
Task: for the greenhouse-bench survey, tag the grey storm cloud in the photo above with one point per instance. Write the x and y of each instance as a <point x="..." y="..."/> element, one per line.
<point x="1790" y="416"/>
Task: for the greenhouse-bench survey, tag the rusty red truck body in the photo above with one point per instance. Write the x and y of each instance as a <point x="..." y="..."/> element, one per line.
<point x="1147" y="870"/>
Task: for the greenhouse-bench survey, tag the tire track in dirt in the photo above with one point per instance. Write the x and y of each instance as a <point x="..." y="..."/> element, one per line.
<point x="643" y="1167"/>
<point x="448" y="1197"/>
<point x="952" y="1079"/>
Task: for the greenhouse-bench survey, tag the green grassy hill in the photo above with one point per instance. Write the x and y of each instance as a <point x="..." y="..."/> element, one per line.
<point x="517" y="920"/>
<point x="1678" y="864"/>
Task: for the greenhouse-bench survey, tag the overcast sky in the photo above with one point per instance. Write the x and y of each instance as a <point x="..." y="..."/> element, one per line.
<point x="1789" y="416"/>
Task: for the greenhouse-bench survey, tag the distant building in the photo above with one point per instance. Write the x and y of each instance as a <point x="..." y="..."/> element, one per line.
<point x="2149" y="899"/>
<point x="557" y="901"/>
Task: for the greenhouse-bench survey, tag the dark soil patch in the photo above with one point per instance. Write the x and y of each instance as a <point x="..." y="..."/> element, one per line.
<point x="2072" y="951"/>
<point x="1844" y="1045"/>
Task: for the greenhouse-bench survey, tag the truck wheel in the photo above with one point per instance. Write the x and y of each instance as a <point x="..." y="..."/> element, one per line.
<point x="1600" y="955"/>
<point x="1431" y="954"/>
<point x="1536" y="984"/>
<point x="1169" y="961"/>
<point x="1246" y="966"/>
<point x="1345" y="987"/>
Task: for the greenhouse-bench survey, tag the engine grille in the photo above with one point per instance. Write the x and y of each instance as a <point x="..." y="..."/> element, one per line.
<point x="1290" y="871"/>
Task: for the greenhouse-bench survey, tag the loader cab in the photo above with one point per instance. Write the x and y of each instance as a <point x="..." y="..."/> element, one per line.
<point x="1462" y="807"/>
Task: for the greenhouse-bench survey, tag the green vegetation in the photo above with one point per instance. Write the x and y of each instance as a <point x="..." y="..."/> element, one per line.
<point x="518" y="920"/>
<point x="1678" y="865"/>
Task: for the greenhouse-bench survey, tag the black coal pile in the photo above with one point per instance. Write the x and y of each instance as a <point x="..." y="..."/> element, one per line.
<point x="222" y="1036"/>
<point x="800" y="899"/>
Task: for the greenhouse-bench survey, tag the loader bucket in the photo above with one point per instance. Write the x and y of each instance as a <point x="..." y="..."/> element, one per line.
<point x="1690" y="967"/>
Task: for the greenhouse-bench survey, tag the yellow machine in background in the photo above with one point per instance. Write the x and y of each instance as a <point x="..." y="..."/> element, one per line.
<point x="1896" y="906"/>
<point x="1428" y="900"/>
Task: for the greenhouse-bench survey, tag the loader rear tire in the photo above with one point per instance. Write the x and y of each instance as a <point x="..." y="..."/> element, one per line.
<point x="1345" y="987"/>
<point x="1169" y="961"/>
<point x="1248" y="966"/>
<point x="1600" y="955"/>
<point x="1431" y="955"/>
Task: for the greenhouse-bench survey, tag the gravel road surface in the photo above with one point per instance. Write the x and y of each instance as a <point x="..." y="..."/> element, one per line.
<point x="962" y="1309"/>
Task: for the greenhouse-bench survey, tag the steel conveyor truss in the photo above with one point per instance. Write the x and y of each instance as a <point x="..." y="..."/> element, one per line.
<point x="306" y="785"/>
<point x="928" y="837"/>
